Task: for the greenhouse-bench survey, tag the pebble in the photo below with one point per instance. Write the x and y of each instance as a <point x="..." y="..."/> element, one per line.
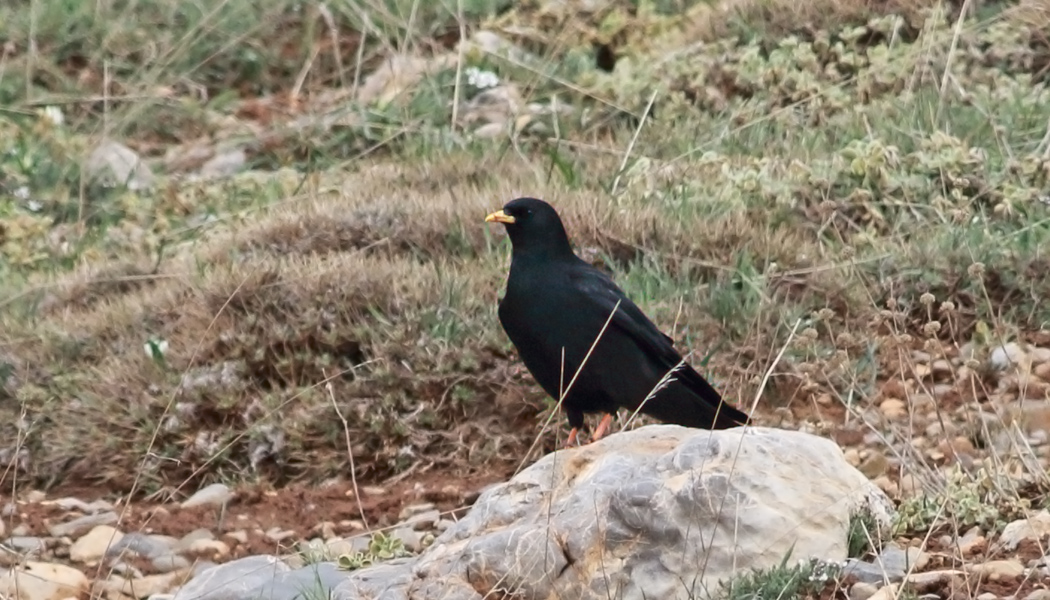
<point x="26" y="544"/>
<point x="1007" y="355"/>
<point x="71" y="504"/>
<point x="1038" y="595"/>
<point x="888" y="592"/>
<point x="862" y="591"/>
<point x="893" y="408"/>
<point x="415" y="509"/>
<point x="910" y="485"/>
<point x="43" y="581"/>
<point x="215" y="494"/>
<point x="79" y="526"/>
<point x="93" y="546"/>
<point x="875" y="465"/>
<point x="996" y="570"/>
<point x="166" y="563"/>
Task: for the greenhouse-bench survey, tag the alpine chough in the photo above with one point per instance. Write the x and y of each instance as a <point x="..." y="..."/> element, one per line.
<point x="554" y="309"/>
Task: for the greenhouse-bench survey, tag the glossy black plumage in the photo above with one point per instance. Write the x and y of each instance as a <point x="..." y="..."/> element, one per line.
<point x="555" y="300"/>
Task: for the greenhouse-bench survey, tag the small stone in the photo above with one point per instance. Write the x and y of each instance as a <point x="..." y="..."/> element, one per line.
<point x="852" y="456"/>
<point x="213" y="548"/>
<point x="941" y="367"/>
<point x="215" y="494"/>
<point x="79" y="526"/>
<point x="148" y="586"/>
<point x="885" y="484"/>
<point x="1008" y="355"/>
<point x="141" y="544"/>
<point x="1042" y="371"/>
<point x="424" y="521"/>
<point x="35" y="496"/>
<point x="910" y="485"/>
<point x="415" y="509"/>
<point x="70" y="504"/>
<point x="1038" y="595"/>
<point x="43" y="581"/>
<point x="987" y="596"/>
<point x="26" y="544"/>
<point x="1039" y="355"/>
<point x="923" y="582"/>
<point x="95" y="545"/>
<point x="410" y="538"/>
<point x="888" y="592"/>
<point x="240" y="536"/>
<point x="997" y="570"/>
<point x="276" y="534"/>
<point x="893" y="408"/>
<point x="167" y="563"/>
<point x="114" y="164"/>
<point x="971" y="542"/>
<point x="190" y="538"/>
<point x="1032" y="528"/>
<point x="862" y="591"/>
<point x="874" y="465"/>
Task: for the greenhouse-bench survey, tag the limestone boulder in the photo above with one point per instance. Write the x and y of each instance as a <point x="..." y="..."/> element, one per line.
<point x="658" y="512"/>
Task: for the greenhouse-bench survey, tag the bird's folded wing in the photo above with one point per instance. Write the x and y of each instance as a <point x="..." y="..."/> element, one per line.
<point x="629" y="319"/>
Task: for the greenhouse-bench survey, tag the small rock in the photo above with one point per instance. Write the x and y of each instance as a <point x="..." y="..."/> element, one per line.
<point x="240" y="536"/>
<point x="1042" y="371"/>
<point x="215" y="494"/>
<point x="276" y="534"/>
<point x="852" y="456"/>
<point x="79" y="526"/>
<point x="95" y="544"/>
<point x="114" y="164"/>
<point x="972" y="541"/>
<point x="141" y="544"/>
<point x="923" y="582"/>
<point x="190" y="538"/>
<point x="224" y="165"/>
<point x="169" y="562"/>
<point x="941" y="367"/>
<point x="1039" y="355"/>
<point x="996" y="570"/>
<point x="26" y="544"/>
<point x="1032" y="528"/>
<point x="987" y="596"/>
<point x="862" y="591"/>
<point x="412" y="539"/>
<point x="424" y="521"/>
<point x="43" y="581"/>
<point x="1038" y="595"/>
<point x="35" y="496"/>
<point x="874" y="465"/>
<point x="893" y="408"/>
<point x="888" y="592"/>
<point x="150" y="585"/>
<point x="214" y="548"/>
<point x="1007" y="355"/>
<point x="70" y="504"/>
<point x="910" y="485"/>
<point x="884" y="482"/>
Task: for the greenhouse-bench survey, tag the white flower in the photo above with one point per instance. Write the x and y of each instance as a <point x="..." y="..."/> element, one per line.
<point x="22" y="193"/>
<point x="34" y="205"/>
<point x="155" y="348"/>
<point x="481" y="79"/>
<point x="53" y="114"/>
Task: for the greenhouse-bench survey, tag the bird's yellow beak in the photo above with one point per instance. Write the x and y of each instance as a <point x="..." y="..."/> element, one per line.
<point x="500" y="217"/>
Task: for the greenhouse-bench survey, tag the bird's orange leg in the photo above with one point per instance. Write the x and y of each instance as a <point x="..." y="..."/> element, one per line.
<point x="569" y="443"/>
<point x="599" y="433"/>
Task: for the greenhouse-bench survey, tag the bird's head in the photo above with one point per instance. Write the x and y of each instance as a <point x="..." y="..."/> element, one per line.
<point x="534" y="227"/>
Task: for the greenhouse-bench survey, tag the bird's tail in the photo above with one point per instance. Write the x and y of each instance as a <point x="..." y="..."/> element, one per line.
<point x="690" y="401"/>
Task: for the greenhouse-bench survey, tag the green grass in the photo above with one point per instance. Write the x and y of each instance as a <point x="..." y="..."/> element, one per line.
<point x="786" y="170"/>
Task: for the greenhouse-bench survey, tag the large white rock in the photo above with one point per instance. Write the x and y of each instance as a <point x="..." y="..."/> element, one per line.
<point x="659" y="512"/>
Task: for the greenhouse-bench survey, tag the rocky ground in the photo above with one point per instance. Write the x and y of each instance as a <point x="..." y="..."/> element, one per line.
<point x="979" y="530"/>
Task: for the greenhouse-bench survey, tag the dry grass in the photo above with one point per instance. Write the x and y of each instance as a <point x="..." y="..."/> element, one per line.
<point x="756" y="199"/>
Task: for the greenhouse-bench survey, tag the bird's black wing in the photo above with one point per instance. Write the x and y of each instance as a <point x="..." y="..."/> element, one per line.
<point x="630" y="320"/>
<point x="600" y="290"/>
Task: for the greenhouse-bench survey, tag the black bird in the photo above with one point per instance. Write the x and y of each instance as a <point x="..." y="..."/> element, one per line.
<point x="557" y="303"/>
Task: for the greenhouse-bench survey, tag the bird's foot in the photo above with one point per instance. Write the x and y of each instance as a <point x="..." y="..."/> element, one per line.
<point x="603" y="427"/>
<point x="575" y="433"/>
